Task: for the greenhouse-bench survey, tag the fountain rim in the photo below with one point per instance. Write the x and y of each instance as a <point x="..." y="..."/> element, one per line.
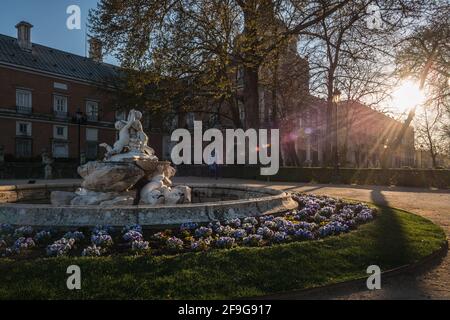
<point x="267" y="194"/>
<point x="271" y="201"/>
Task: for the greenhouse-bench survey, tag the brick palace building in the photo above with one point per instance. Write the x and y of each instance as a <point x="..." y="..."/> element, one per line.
<point x="41" y="92"/>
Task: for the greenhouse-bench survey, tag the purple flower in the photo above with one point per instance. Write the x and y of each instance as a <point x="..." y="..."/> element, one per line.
<point x="102" y="240"/>
<point x="201" y="245"/>
<point x="251" y="220"/>
<point x="327" y="211"/>
<point x="305" y="225"/>
<point x="318" y="218"/>
<point x="43" y="236"/>
<point x="226" y="231"/>
<point x="102" y="230"/>
<point x="332" y="228"/>
<point x="161" y="236"/>
<point x="174" y="244"/>
<point x="236" y="223"/>
<point x="203" y="232"/>
<point x="248" y="227"/>
<point x="133" y="227"/>
<point x="364" y="215"/>
<point x="215" y="226"/>
<point x="304" y="234"/>
<point x="23" y="231"/>
<point x="265" y="232"/>
<point x="262" y="219"/>
<point x="6" y="228"/>
<point x="24" y="243"/>
<point x="60" y="247"/>
<point x="77" y="235"/>
<point x="270" y="224"/>
<point x="239" y="234"/>
<point x="253" y="240"/>
<point x="140" y="246"/>
<point x="225" y="242"/>
<point x="133" y="235"/>
<point x="92" y="251"/>
<point x="280" y="236"/>
<point x="188" y="226"/>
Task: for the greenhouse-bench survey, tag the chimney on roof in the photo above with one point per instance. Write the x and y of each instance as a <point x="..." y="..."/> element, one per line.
<point x="24" y="35"/>
<point x="95" y="50"/>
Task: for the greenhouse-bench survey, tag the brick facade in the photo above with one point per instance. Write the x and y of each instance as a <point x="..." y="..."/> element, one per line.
<point x="42" y="116"/>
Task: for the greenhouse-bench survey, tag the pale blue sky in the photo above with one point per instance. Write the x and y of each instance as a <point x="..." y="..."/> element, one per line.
<point x="49" y="20"/>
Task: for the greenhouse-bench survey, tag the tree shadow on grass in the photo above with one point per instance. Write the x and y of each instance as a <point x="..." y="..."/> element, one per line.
<point x="391" y="249"/>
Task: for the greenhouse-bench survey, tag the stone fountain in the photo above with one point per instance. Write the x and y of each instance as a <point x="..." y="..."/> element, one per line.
<point x="129" y="174"/>
<point x="131" y="186"/>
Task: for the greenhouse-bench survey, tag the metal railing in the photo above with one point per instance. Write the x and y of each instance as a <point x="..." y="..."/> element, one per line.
<point x="60" y="114"/>
<point x="24" y="110"/>
<point x="92" y="117"/>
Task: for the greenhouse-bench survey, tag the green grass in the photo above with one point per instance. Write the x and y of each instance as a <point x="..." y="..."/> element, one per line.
<point x="395" y="238"/>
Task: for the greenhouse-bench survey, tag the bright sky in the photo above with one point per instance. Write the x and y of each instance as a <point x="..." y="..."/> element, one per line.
<point x="407" y="95"/>
<point x="49" y="20"/>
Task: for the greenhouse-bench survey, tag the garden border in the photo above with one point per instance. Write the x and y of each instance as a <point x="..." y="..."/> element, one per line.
<point x="360" y="282"/>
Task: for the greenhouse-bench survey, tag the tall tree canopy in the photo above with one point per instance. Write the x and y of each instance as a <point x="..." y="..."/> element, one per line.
<point x="204" y="41"/>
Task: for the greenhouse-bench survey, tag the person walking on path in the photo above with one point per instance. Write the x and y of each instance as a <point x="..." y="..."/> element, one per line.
<point x="213" y="166"/>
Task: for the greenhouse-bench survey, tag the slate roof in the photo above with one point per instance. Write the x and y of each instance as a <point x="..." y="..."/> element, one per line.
<point x="55" y="61"/>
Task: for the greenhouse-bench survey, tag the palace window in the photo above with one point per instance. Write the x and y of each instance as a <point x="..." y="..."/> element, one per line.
<point x="60" y="132"/>
<point x="92" y="110"/>
<point x="60" y="106"/>
<point x="23" y="101"/>
<point x="23" y="128"/>
<point x="24" y="147"/>
<point x="60" y="149"/>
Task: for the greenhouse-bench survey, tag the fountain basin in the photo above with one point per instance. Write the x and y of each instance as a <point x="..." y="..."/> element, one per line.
<point x="29" y="205"/>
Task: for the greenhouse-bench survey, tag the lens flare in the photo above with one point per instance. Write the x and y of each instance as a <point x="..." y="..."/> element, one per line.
<point x="407" y="95"/>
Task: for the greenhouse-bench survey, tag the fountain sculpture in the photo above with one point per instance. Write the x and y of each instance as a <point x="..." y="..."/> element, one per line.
<point x="130" y="173"/>
<point x="131" y="186"/>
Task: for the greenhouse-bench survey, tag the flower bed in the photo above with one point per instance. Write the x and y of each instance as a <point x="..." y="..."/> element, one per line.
<point x="316" y="218"/>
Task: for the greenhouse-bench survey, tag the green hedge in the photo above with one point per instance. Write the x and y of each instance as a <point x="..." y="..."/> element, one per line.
<point x="35" y="170"/>
<point x="398" y="177"/>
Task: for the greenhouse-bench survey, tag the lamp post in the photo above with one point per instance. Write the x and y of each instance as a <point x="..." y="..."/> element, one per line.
<point x="79" y="117"/>
<point x="336" y="100"/>
<point x="421" y="156"/>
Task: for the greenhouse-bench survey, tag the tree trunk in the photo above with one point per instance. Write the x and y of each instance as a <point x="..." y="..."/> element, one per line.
<point x="234" y="103"/>
<point x="251" y="64"/>
<point x="433" y="159"/>
<point x="251" y="96"/>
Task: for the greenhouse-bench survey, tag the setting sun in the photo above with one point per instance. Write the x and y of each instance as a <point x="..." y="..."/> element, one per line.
<point x="407" y="95"/>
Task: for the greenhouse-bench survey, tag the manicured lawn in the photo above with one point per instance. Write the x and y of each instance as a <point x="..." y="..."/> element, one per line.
<point x="393" y="239"/>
